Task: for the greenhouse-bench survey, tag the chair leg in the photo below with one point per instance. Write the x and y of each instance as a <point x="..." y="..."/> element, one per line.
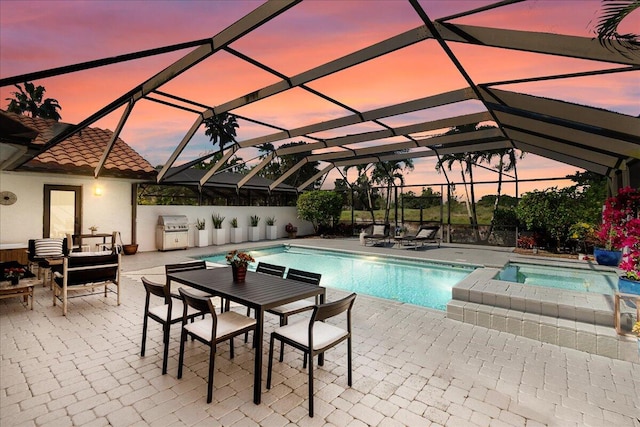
<point x="144" y="335"/>
<point x="212" y="361"/>
<point x="165" y="354"/>
<point x="349" y="361"/>
<point x="231" y="348"/>
<point x="246" y="334"/>
<point x="183" y="338"/>
<point x="270" y="365"/>
<point x="283" y="321"/>
<point x="310" y="384"/>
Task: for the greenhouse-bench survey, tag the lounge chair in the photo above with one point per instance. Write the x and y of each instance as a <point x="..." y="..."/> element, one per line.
<point x="379" y="234"/>
<point x="425" y="234"/>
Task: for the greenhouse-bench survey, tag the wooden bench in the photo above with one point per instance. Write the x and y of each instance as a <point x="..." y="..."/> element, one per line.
<point x="81" y="271"/>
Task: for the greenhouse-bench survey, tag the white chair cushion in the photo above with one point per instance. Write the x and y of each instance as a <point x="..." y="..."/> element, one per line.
<point x="176" y="311"/>
<point x="293" y="307"/>
<point x="378" y="230"/>
<point x="48" y="247"/>
<point x="427" y="233"/>
<point x="323" y="333"/>
<point x="228" y="322"/>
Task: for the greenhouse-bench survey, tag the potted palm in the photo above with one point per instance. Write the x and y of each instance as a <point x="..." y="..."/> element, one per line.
<point x="236" y="231"/>
<point x="272" y="230"/>
<point x="202" y="237"/>
<point x="219" y="235"/>
<point x="254" y="231"/>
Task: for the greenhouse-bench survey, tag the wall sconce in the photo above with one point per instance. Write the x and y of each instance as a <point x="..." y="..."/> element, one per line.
<point x="97" y="190"/>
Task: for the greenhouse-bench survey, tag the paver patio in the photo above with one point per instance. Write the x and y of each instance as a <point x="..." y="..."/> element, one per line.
<point x="412" y="367"/>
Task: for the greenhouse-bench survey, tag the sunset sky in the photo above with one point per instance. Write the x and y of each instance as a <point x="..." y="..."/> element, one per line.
<point x="38" y="35"/>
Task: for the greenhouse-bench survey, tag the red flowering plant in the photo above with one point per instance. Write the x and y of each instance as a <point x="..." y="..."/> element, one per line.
<point x="14" y="272"/>
<point x="236" y="258"/>
<point x="621" y="229"/>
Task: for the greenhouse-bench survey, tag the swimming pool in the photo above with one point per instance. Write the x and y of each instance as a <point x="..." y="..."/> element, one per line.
<point x="561" y="277"/>
<point x="423" y="283"/>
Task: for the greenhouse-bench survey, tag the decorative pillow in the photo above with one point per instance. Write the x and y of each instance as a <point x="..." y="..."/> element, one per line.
<point x="378" y="230"/>
<point x="48" y="247"/>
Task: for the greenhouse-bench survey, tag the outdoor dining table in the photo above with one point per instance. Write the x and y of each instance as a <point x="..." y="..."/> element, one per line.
<point x="259" y="291"/>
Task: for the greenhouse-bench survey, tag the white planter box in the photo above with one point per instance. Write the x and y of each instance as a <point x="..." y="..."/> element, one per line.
<point x="236" y="235"/>
<point x="202" y="238"/>
<point x="219" y="236"/>
<point x="254" y="234"/>
<point x="272" y="232"/>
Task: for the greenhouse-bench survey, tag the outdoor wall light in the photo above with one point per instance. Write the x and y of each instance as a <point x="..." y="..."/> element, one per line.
<point x="97" y="190"/>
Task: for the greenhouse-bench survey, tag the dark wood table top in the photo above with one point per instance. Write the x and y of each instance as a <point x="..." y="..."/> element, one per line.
<point x="258" y="291"/>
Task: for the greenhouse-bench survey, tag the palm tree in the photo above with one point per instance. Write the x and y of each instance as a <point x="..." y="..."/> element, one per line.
<point x="386" y="173"/>
<point x="363" y="184"/>
<point x="29" y="101"/>
<point x="613" y="12"/>
<point x="508" y="166"/>
<point x="221" y="129"/>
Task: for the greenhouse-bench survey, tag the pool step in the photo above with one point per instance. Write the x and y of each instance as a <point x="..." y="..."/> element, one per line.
<point x="577" y="320"/>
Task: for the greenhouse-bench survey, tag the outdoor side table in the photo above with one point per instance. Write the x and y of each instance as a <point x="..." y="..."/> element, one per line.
<point x="616" y="311"/>
<point x="24" y="288"/>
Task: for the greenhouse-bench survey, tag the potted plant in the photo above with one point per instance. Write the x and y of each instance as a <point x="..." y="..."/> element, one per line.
<point x="254" y="231"/>
<point x="613" y="232"/>
<point x="272" y="230"/>
<point x="236" y="231"/>
<point x="93" y="229"/>
<point x="202" y="237"/>
<point x="291" y="230"/>
<point x="239" y="261"/>
<point x="219" y="235"/>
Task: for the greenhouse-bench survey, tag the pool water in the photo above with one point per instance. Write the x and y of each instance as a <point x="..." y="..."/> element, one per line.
<point x="572" y="279"/>
<point x="423" y="283"/>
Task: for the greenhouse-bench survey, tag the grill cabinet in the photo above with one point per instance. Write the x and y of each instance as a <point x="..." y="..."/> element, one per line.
<point x="172" y="232"/>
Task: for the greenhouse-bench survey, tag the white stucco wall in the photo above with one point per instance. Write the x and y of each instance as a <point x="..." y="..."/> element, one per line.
<point x="112" y="211"/>
<point x="24" y="219"/>
<point x="148" y="219"/>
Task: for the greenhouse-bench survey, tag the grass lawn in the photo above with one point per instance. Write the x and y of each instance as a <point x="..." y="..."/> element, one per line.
<point x="458" y="215"/>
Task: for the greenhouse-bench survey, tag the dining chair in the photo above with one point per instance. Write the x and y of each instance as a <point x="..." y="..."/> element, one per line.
<point x="211" y="330"/>
<point x="188" y="266"/>
<point x="266" y="268"/>
<point x="168" y="313"/>
<point x="295" y="307"/>
<point x="314" y="336"/>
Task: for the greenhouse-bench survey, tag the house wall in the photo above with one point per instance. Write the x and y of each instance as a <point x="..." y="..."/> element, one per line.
<point x="148" y="220"/>
<point x="24" y="219"/>
<point x="112" y="211"/>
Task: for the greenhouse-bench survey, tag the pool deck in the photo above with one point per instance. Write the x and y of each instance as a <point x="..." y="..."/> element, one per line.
<point x="412" y="366"/>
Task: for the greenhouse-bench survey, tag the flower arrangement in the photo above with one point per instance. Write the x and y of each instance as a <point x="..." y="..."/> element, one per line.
<point x="621" y="229"/>
<point x="290" y="228"/>
<point x="200" y="224"/>
<point x="14" y="274"/>
<point x="271" y="220"/>
<point x="93" y="228"/>
<point x="236" y="258"/>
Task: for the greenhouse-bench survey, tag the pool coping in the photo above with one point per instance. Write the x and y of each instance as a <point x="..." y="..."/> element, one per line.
<point x="580" y="320"/>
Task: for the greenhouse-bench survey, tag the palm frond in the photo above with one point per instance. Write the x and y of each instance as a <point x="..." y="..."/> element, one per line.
<point x="613" y="13"/>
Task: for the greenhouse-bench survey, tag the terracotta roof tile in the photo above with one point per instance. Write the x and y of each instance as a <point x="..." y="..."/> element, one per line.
<point x="81" y="152"/>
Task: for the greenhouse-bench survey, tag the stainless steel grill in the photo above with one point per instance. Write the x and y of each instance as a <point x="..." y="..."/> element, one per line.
<point x="172" y="232"/>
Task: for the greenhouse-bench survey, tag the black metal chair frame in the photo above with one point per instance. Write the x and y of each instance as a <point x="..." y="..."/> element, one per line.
<point x="320" y="313"/>
<point x="161" y="291"/>
<point x="204" y="304"/>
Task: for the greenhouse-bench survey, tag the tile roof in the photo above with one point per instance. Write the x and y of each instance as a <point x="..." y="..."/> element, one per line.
<point x="80" y="153"/>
